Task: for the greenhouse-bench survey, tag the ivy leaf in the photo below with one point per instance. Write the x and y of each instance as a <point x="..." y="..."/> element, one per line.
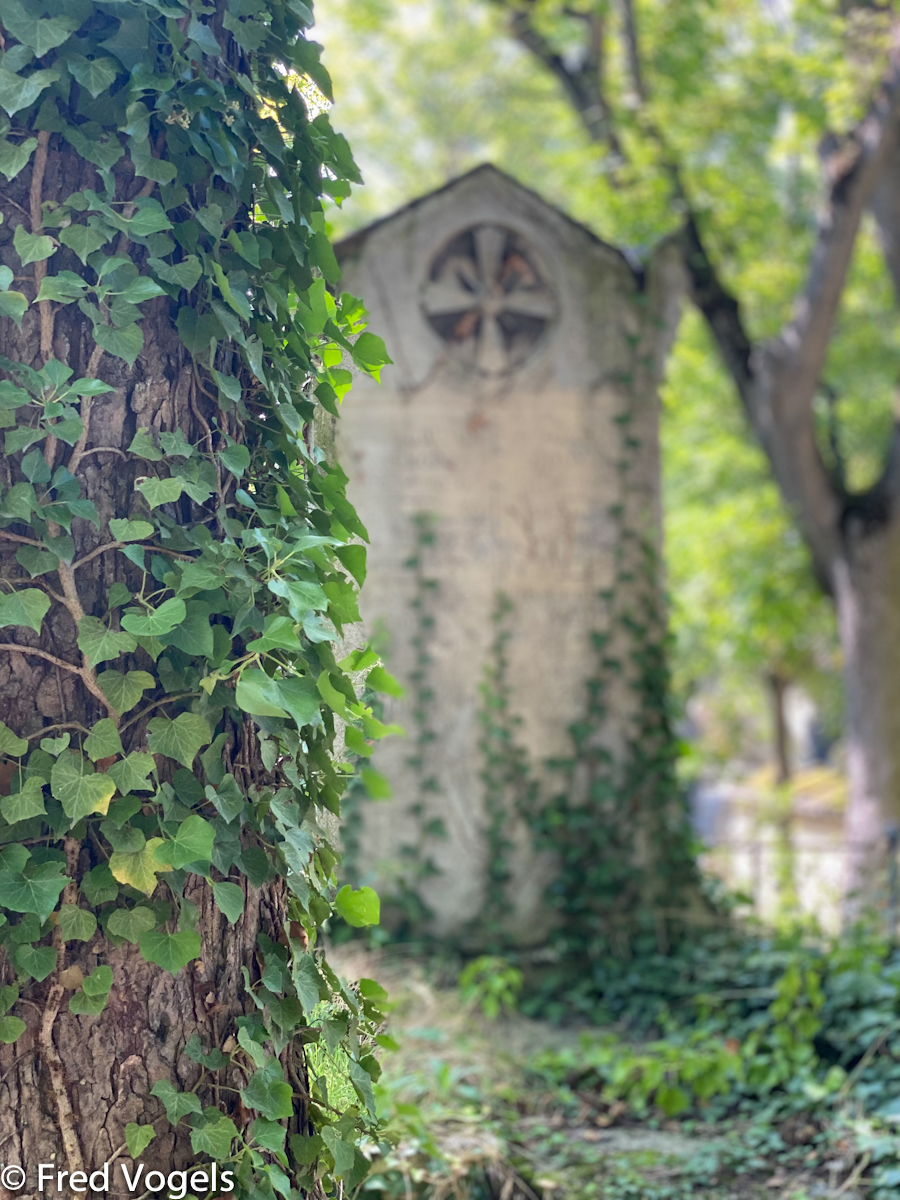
<point x="130" y="531"/>
<point x="121" y="836"/>
<point x="83" y="1005"/>
<point x="230" y="900"/>
<point x="160" y="491"/>
<point x="126" y="342"/>
<point x="84" y="240"/>
<point x="130" y="775"/>
<point x="342" y="1152"/>
<point x="193" y="842"/>
<point x="27" y="607"/>
<point x="226" y="796"/>
<point x="300" y="595"/>
<point x="40" y="34"/>
<point x="354" y="559"/>
<point x="11" y="744"/>
<point x="268" y="1093"/>
<point x="262" y="696"/>
<point x="130" y="923"/>
<point x="13" y="305"/>
<point x="196" y="330"/>
<point x="78" y="792"/>
<point x="99" y="886"/>
<point x="14" y="158"/>
<point x="257" y="694"/>
<point x="138" y="1138"/>
<point x="103" y="741"/>
<point x="23" y="805"/>
<point x="64" y="288"/>
<point x="98" y="982"/>
<point x="171" y="951"/>
<point x="215" y="1137"/>
<point x="8" y="996"/>
<point x="268" y="1134"/>
<point x="19" y="91"/>
<point x="202" y="34"/>
<point x="306" y="982"/>
<point x="150" y="218"/>
<point x="177" y="1104"/>
<point x="160" y="170"/>
<point x="138" y="870"/>
<point x="140" y="289"/>
<point x="124" y="691"/>
<point x="157" y="621"/>
<point x="32" y="247"/>
<point x="378" y="786"/>
<point x="180" y="739"/>
<point x="76" y="924"/>
<point x="11" y="1029"/>
<point x="381" y="681"/>
<point x="96" y="75"/>
<point x="358" y="908"/>
<point x="183" y="275"/>
<point x="279" y="633"/>
<point x="370" y="353"/>
<point x="301" y="698"/>
<point x="235" y="458"/>
<point x="35" y="467"/>
<point x="36" y="961"/>
<point x="99" y="644"/>
<point x="38" y="893"/>
<point x="143" y="445"/>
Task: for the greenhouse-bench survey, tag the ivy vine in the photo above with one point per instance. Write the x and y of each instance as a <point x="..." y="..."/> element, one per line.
<point x="210" y="664"/>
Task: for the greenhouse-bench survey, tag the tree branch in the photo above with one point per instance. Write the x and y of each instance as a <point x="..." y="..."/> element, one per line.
<point x="583" y="84"/>
<point x="777" y="381"/>
<point x="632" y="50"/>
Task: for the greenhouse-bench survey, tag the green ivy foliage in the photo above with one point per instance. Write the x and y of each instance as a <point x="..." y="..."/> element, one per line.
<point x="211" y="165"/>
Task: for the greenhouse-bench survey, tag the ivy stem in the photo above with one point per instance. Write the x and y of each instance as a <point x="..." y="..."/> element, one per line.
<point x="49" y="1053"/>
<point x="78" y="450"/>
<point x="36" y="198"/>
<point x="156" y="704"/>
<point x="17" y="537"/>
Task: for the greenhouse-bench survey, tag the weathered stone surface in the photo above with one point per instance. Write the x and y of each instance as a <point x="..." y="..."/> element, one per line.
<point x="519" y="341"/>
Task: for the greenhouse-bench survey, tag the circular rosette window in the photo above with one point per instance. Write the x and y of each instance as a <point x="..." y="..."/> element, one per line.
<point x="488" y="299"/>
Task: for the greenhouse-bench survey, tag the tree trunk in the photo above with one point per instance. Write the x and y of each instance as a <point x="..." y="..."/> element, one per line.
<point x="70" y="1084"/>
<point x="778" y="686"/>
<point x="867" y="594"/>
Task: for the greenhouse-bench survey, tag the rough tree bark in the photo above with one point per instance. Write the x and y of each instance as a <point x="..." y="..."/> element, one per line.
<point x="234" y="403"/>
<point x="854" y="538"/>
<point x="69" y="1086"/>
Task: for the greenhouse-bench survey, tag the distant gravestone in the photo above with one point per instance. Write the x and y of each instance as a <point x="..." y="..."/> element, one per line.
<point x="492" y="462"/>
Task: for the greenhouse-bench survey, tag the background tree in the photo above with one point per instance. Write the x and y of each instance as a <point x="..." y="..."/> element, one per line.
<point x="684" y="121"/>
<point x="747" y="614"/>
<point x="178" y="561"/>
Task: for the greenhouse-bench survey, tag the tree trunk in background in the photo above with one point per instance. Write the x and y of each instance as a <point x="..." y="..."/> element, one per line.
<point x="852" y="537"/>
<point x="867" y="594"/>
<point x="778" y="686"/>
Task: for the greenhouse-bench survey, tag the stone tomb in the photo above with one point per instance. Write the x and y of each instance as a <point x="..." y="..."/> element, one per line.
<point x="519" y="342"/>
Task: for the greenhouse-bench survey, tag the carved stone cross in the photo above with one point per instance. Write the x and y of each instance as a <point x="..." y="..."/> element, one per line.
<point x="487" y="298"/>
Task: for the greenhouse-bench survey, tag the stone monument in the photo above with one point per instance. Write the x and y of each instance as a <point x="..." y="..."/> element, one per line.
<point x="495" y="466"/>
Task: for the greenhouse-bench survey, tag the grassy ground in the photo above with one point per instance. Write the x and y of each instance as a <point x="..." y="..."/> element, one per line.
<point x="505" y="1109"/>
